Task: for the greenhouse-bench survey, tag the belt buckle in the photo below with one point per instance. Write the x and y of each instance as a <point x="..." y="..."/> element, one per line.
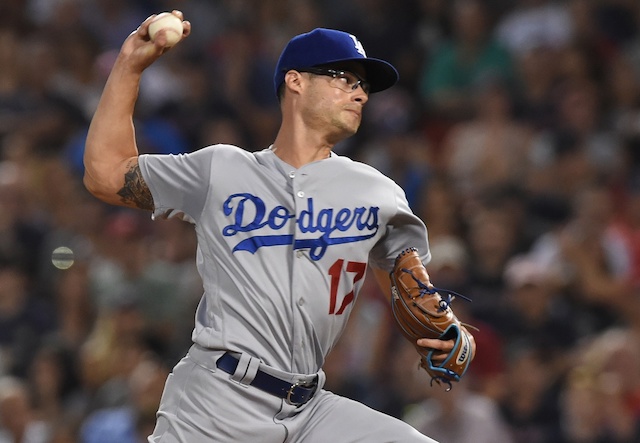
<point x="293" y="387"/>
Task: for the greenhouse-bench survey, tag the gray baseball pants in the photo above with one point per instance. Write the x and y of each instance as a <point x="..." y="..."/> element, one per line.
<point x="201" y="403"/>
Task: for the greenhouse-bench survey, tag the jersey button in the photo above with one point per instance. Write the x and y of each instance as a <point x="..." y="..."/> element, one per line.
<point x="300" y="194"/>
<point x="300" y="301"/>
<point x="299" y="253"/>
<point x="292" y="174"/>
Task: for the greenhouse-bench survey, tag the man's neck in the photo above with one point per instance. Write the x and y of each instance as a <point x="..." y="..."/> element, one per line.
<point x="298" y="151"/>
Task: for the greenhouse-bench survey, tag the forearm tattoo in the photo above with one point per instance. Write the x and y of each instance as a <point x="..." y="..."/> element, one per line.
<point x="135" y="190"/>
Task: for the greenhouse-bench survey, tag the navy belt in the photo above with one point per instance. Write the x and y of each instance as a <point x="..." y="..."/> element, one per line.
<point x="295" y="394"/>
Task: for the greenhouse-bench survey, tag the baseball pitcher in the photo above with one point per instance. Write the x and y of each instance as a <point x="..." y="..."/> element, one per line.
<point x="286" y="237"/>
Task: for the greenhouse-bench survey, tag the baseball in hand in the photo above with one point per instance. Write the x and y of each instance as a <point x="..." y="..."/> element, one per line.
<point x="170" y="24"/>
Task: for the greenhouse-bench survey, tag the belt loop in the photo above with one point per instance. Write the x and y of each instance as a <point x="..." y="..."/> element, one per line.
<point x="322" y="378"/>
<point x="241" y="370"/>
<point x="252" y="370"/>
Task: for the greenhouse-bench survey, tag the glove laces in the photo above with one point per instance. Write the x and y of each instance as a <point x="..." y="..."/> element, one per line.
<point x="446" y="295"/>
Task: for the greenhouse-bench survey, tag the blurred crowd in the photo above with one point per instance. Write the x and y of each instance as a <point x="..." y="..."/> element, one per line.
<point x="514" y="129"/>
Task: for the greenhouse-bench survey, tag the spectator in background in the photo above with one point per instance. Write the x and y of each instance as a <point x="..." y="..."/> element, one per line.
<point x="576" y="64"/>
<point x="534" y="314"/>
<point x="579" y="148"/>
<point x="441" y="204"/>
<point x="75" y="309"/>
<point x="579" y="113"/>
<point x="459" y="416"/>
<point x="593" y="259"/>
<point x="600" y="400"/>
<point x="117" y="267"/>
<point x="626" y="225"/>
<point x="604" y="28"/>
<point x="133" y="421"/>
<point x="622" y="93"/>
<point x="24" y="319"/>
<point x="111" y="20"/>
<point x="631" y="48"/>
<point x="77" y="82"/>
<point x="450" y="263"/>
<point x="468" y="57"/>
<point x="11" y="106"/>
<point x="21" y="238"/>
<point x="531" y="404"/>
<point x="54" y="387"/>
<point x="73" y="221"/>
<point x="402" y="157"/>
<point x="170" y="289"/>
<point x="491" y="149"/>
<point x="493" y="235"/>
<point x="17" y="420"/>
<point x="432" y="27"/>
<point x="534" y="23"/>
<point x="107" y="358"/>
<point x="405" y="383"/>
<point x="537" y="80"/>
<point x="44" y="121"/>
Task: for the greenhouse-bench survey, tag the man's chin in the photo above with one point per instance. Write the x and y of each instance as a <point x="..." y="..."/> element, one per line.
<point x="345" y="131"/>
<point x="352" y="129"/>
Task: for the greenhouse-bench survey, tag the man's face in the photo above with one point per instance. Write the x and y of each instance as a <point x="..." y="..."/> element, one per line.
<point x="329" y="105"/>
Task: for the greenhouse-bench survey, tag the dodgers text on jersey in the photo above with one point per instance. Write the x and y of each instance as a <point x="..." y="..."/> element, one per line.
<point x="249" y="213"/>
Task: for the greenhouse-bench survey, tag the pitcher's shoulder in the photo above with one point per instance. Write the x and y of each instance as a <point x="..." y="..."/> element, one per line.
<point x="225" y="152"/>
<point x="359" y="168"/>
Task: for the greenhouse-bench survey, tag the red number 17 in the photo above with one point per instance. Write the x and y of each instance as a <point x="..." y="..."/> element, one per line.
<point x="335" y="271"/>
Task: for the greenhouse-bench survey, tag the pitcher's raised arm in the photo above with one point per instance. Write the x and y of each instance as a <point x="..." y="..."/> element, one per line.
<point x="112" y="173"/>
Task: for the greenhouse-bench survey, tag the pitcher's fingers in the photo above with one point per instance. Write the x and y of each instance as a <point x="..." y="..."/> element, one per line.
<point x="437" y="344"/>
<point x="143" y="29"/>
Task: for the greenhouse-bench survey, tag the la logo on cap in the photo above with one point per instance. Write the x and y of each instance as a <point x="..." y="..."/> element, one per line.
<point x="358" y="45"/>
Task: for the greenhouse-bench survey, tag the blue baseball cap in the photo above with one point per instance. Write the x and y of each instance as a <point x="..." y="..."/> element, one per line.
<point x="327" y="46"/>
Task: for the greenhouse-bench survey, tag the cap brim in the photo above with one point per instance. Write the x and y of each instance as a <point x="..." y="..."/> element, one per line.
<point x="380" y="74"/>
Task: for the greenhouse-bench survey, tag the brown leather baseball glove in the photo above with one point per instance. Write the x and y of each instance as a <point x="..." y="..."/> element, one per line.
<point x="423" y="311"/>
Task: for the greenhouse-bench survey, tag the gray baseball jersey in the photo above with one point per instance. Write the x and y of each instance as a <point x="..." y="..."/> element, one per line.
<point x="282" y="252"/>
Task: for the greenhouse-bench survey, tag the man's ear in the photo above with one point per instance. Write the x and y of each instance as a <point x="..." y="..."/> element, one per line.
<point x="293" y="80"/>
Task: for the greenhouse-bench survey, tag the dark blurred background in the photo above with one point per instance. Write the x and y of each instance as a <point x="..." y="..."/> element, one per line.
<point x="515" y="131"/>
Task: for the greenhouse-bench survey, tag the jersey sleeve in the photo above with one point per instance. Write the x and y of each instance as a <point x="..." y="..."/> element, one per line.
<point x="404" y="229"/>
<point x="179" y="183"/>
